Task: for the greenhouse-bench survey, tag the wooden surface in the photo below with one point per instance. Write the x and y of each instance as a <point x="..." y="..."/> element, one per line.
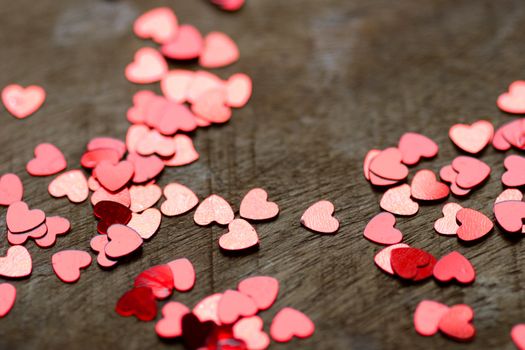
<point x="332" y="79"/>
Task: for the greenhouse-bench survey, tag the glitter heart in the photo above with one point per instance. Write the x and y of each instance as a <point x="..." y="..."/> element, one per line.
<point x="17" y="263"/>
<point x="158" y="278"/>
<point x="381" y="229"/>
<point x="510" y="215"/>
<point x="250" y="330"/>
<point x="447" y="225"/>
<point x="22" y="102"/>
<point x="514" y="176"/>
<point x="7" y="298"/>
<point x="147" y="223"/>
<point x="170" y="325"/>
<point x="144" y="197"/>
<point x="255" y="206"/>
<point x="472" y="138"/>
<point x="123" y="241"/>
<point x="179" y="199"/>
<point x="148" y="67"/>
<point x="318" y="217"/>
<point x="414" y="146"/>
<point x="114" y="176"/>
<point x="219" y="50"/>
<point x="183" y="274"/>
<point x="20" y="219"/>
<point x="67" y="264"/>
<point x="383" y="258"/>
<point x="56" y="226"/>
<point x="473" y="224"/>
<point x="48" y="160"/>
<point x="471" y="171"/>
<point x="514" y="100"/>
<point x="238" y="90"/>
<point x="397" y="201"/>
<point x="234" y="305"/>
<point x="110" y="213"/>
<point x="72" y="184"/>
<point x="175" y="84"/>
<point x="11" y="189"/>
<point x="185" y="152"/>
<point x="288" y="323"/>
<point x="138" y="302"/>
<point x="186" y="45"/>
<point x="425" y="187"/>
<point x="454" y="266"/>
<point x="427" y="316"/>
<point x="241" y="235"/>
<point x="213" y="209"/>
<point x="412" y="263"/>
<point x="159" y="24"/>
<point x="262" y="289"/>
<point x="456" y="323"/>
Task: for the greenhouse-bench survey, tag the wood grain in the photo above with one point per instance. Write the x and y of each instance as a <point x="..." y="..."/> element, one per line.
<point x="332" y="79"/>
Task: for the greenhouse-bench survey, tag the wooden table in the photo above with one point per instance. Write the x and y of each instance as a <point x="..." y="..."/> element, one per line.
<point x="332" y="79"/>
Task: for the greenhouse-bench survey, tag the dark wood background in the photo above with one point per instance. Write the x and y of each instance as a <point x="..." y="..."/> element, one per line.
<point x="332" y="79"/>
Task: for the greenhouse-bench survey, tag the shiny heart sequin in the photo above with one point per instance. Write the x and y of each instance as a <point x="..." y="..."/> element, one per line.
<point x="241" y="235"/>
<point x="427" y="316"/>
<point x="510" y="215"/>
<point x="518" y="336"/>
<point x="414" y="146"/>
<point x="262" y="289"/>
<point x="147" y="223"/>
<point x="515" y="174"/>
<point x="114" y="176"/>
<point x="250" y="330"/>
<point x="17" y="263"/>
<point x="7" y="298"/>
<point x="473" y="224"/>
<point x="138" y="302"/>
<point x="233" y="305"/>
<point x="238" y="90"/>
<point x="195" y="332"/>
<point x="383" y="258"/>
<point x="412" y="263"/>
<point x="159" y="24"/>
<point x="148" y="67"/>
<point x="20" y="219"/>
<point x="185" y="152"/>
<point x="454" y="266"/>
<point x="387" y="165"/>
<point x="179" y="200"/>
<point x="186" y="45"/>
<point x="213" y="209"/>
<point x="67" y="264"/>
<point x="288" y="323"/>
<point x="318" y="218"/>
<point x="72" y="184"/>
<point x="425" y="187"/>
<point x="56" y="226"/>
<point x="397" y="201"/>
<point x="381" y="229"/>
<point x="447" y="225"/>
<point x="170" y="325"/>
<point x="183" y="274"/>
<point x="255" y="206"/>
<point x="144" y="197"/>
<point x="11" y="189"/>
<point x="472" y="138"/>
<point x="110" y="213"/>
<point x="456" y="323"/>
<point x="471" y="171"/>
<point x="22" y="102"/>
<point x="158" y="278"/>
<point x="219" y="51"/>
<point x="513" y="101"/>
<point x="48" y="160"/>
<point x="123" y="241"/>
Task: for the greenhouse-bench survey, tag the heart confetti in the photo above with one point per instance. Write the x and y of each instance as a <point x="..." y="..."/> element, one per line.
<point x="183" y="274"/>
<point x="179" y="200"/>
<point x="48" y="160"/>
<point x="20" y="219"/>
<point x="170" y="326"/>
<point x="473" y="224"/>
<point x="472" y="138"/>
<point x="123" y="241"/>
<point x="233" y="305"/>
<point x="288" y="323"/>
<point x="22" y="102"/>
<point x="148" y="67"/>
<point x="518" y="336"/>
<point x="241" y="235"/>
<point x="11" y="189"/>
<point x="262" y="289"/>
<point x="448" y="225"/>
<point x="381" y="229"/>
<point x="383" y="258"/>
<point x="456" y="323"/>
<point x="414" y="146"/>
<point x="7" y="298"/>
<point x="72" y="184"/>
<point x="219" y="51"/>
<point x="250" y="330"/>
<point x="454" y="266"/>
<point x="425" y="187"/>
<point x="255" y="206"/>
<point x="213" y="209"/>
<point x="427" y="316"/>
<point x="318" y="218"/>
<point x="138" y="302"/>
<point x="144" y="197"/>
<point x="158" y="278"/>
<point x="412" y="263"/>
<point x="67" y="264"/>
<point x="159" y="24"/>
<point x="514" y="100"/>
<point x="17" y="263"/>
<point x="147" y="223"/>
<point x="397" y="201"/>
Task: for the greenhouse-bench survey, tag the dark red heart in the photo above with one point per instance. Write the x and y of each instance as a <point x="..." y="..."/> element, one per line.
<point x="139" y="302"/>
<point x="222" y="338"/>
<point x="159" y="279"/>
<point x="110" y="213"/>
<point x="412" y="263"/>
<point x="196" y="333"/>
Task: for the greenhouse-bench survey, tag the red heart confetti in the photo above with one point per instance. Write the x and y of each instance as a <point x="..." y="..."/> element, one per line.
<point x="110" y="213"/>
<point x="510" y="215"/>
<point x="219" y="51"/>
<point x="98" y="243"/>
<point x="412" y="263"/>
<point x="170" y="326"/>
<point x="7" y="298"/>
<point x="473" y="224"/>
<point x="56" y="226"/>
<point x="383" y="258"/>
<point x="456" y="323"/>
<point x="158" y="278"/>
<point x="388" y="165"/>
<point x="427" y="316"/>
<point x="381" y="229"/>
<point x="425" y="187"/>
<point x="138" y="302"/>
<point x="262" y="289"/>
<point x="186" y="45"/>
<point x="514" y="176"/>
<point x="20" y="219"/>
<point x="471" y="171"/>
<point x="414" y="146"/>
<point x="123" y="241"/>
<point x="454" y="266"/>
